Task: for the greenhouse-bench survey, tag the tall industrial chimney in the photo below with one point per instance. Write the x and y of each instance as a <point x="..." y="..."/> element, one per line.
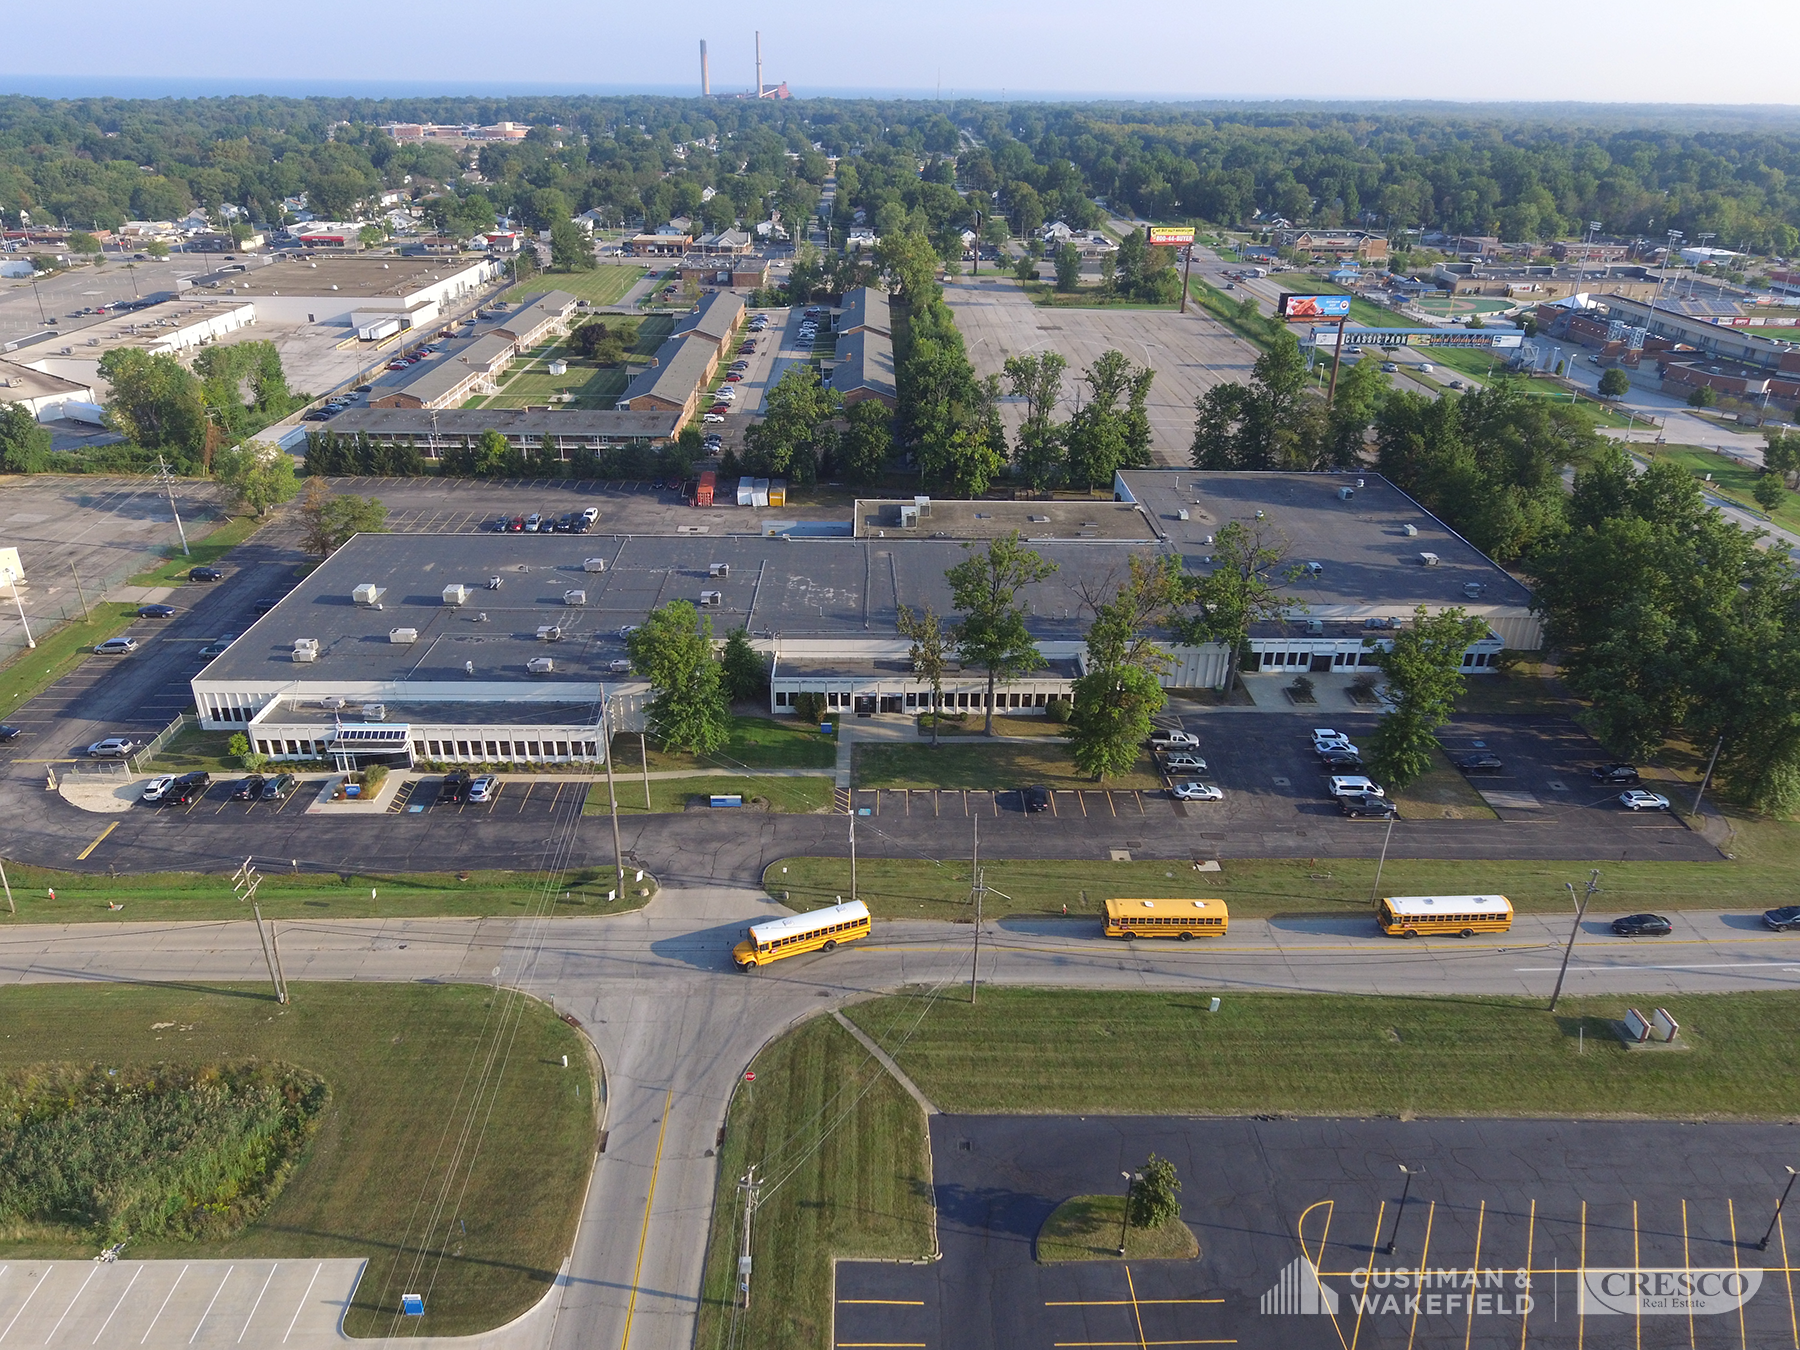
<point x="705" y="78"/>
<point x="759" y="83"/>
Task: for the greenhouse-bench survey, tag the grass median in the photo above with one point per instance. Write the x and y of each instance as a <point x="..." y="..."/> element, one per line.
<point x="756" y="743"/>
<point x="908" y="888"/>
<point x="986" y="765"/>
<point x="843" y="1156"/>
<point x="1039" y="1051"/>
<point x="763" y="792"/>
<point x="43" y="895"/>
<point x="203" y="552"/>
<point x="395" y="1057"/>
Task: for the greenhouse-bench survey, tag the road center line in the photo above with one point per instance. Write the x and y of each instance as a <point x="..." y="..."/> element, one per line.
<point x="643" y="1237"/>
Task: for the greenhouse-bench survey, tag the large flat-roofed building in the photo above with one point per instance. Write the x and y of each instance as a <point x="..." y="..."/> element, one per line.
<point x="335" y="290"/>
<point x="173" y="327"/>
<point x="465" y="369"/>
<point x="569" y="429"/>
<point x="478" y="637"/>
<point x="45" y="396"/>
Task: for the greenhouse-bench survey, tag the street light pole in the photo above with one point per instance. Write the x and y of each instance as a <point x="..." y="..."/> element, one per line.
<point x="1581" y="905"/>
<point x="167" y="479"/>
<point x="12" y="579"/>
<point x="1125" y="1216"/>
<point x="1406" y="1190"/>
<point x="1376" y="884"/>
<point x="1775" y="1218"/>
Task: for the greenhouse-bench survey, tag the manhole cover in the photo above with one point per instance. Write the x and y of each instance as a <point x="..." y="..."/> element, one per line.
<point x="1557" y="785"/>
<point x="1119" y="854"/>
<point x="1282" y="782"/>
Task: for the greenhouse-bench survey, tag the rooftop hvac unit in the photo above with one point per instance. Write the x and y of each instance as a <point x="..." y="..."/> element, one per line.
<point x="594" y="565"/>
<point x="718" y="570"/>
<point x="1410" y="531"/>
<point x="550" y="633"/>
<point x="456" y="594"/>
<point x="540" y="665"/>
<point x="1346" y="493"/>
<point x="374" y="712"/>
<point x="305" y="656"/>
<point x="1429" y="559"/>
<point x="333" y="702"/>
<point x="1182" y="514"/>
<point x="1315" y="628"/>
<point x="368" y="594"/>
<point x="574" y="597"/>
<point x="304" y="643"/>
<point x="710" y="598"/>
<point x="403" y="637"/>
<point x="909" y="517"/>
<point x="924" y="505"/>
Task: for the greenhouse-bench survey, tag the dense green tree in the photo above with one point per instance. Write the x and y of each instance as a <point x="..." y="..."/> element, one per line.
<point x="796" y="430"/>
<point x="1155" y="1195"/>
<point x="673" y="650"/>
<point x="1038" y="380"/>
<point x="1111" y="430"/>
<point x="1702" y="397"/>
<point x="327" y="519"/>
<point x="156" y="403"/>
<point x="1068" y="268"/>
<point x="1769" y="491"/>
<point x="931" y="647"/>
<point x="992" y="634"/>
<point x="258" y="475"/>
<point x="743" y="670"/>
<point x="1614" y="383"/>
<point x="867" y="443"/>
<point x="1270" y="423"/>
<point x="571" y="247"/>
<point x="1239" y="591"/>
<point x="1116" y="699"/>
<point x="1423" y="665"/>
<point x="24" y="444"/>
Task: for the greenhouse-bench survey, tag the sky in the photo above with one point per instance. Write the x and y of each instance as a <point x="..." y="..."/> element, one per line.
<point x="1651" y="51"/>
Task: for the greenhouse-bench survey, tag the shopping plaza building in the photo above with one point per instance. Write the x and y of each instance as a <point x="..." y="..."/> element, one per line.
<point x="503" y="648"/>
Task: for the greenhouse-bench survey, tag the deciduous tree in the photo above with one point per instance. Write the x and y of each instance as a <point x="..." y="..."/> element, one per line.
<point x="992" y="634"/>
<point x="1242" y="589"/>
<point x="1424" y="674"/>
<point x="258" y="475"/>
<point x="673" y="650"/>
<point x="931" y="647"/>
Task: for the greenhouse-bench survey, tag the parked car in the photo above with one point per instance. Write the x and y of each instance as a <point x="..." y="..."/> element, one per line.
<point x="533" y="523"/>
<point x="591" y="514"/>
<point x="1341" y="757"/>
<point x="1324" y="748"/>
<point x="1322" y="734"/>
<point x="1637" y="799"/>
<point x="113" y="747"/>
<point x="10" y="733"/>
<point x="206" y="574"/>
<point x="1354" y="784"/>
<point x="278" y="787"/>
<point x="1485" y="762"/>
<point x="1196" y="792"/>
<point x="186" y="788"/>
<point x="1642" y="925"/>
<point x="484" y="788"/>
<point x="250" y="790"/>
<point x="455" y="787"/>
<point x="1782" y="920"/>
<point x="1182" y="762"/>
<point x="117" y="646"/>
<point x="628" y="630"/>
<point x="733" y="378"/>
<point x="1616" y="773"/>
<point x="1169" y="738"/>
<point x="156" y="611"/>
<point x="518" y="524"/>
<point x="712" y="417"/>
<point x="156" y="787"/>
<point x="212" y="649"/>
<point x="267" y="603"/>
<point x="500" y="526"/>
<point x="1365" y="804"/>
<point x="1035" y="799"/>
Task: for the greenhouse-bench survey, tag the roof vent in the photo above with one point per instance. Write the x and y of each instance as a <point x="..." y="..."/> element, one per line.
<point x="1429" y="559"/>
<point x="333" y="702"/>
<point x="593" y="565"/>
<point x="374" y="712"/>
<point x="403" y="637"/>
<point x="1410" y="531"/>
<point x="718" y="570"/>
<point x="456" y="594"/>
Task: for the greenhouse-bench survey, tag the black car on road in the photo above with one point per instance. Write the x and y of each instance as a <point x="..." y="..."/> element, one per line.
<point x="206" y="574"/>
<point x="1035" y="799"/>
<point x="1485" y="762"/>
<point x="156" y="611"/>
<point x="1783" y="920"/>
<point x="250" y="789"/>
<point x="455" y="787"/>
<point x="1642" y="925"/>
<point x="1616" y="773"/>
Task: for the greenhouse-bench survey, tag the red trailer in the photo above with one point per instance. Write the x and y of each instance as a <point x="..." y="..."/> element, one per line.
<point x="703" y="492"/>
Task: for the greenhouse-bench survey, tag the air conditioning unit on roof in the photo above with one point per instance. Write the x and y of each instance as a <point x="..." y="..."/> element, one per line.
<point x="368" y="594"/>
<point x="709" y="598"/>
<point x="455" y="594"/>
<point x="403" y="637"/>
<point x="574" y="597"/>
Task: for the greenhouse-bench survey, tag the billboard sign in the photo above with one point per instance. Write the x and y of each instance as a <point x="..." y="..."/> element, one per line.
<point x="1169" y="236"/>
<point x="1499" y="339"/>
<point x="1312" y="307"/>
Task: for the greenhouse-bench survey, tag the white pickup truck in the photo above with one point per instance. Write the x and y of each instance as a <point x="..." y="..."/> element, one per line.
<point x="1167" y="738"/>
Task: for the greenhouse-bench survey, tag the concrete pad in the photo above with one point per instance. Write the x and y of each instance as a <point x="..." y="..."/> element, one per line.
<point x="168" y="1305"/>
<point x="104" y="795"/>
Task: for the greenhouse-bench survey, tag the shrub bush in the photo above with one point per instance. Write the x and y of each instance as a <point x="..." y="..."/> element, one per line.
<point x="1058" y="710"/>
<point x="809" y="707"/>
<point x="372" y="779"/>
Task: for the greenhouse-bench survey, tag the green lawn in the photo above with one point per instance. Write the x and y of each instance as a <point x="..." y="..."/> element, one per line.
<point x="533" y="386"/>
<point x="669" y="795"/>
<point x="1071" y="1051"/>
<point x="1731" y="478"/>
<point x="972" y="724"/>
<point x="205" y="552"/>
<point x="1087" y="1228"/>
<point x="606" y="284"/>
<point x="1442" y="793"/>
<point x="83" y="897"/>
<point x="756" y="743"/>
<point x="1520" y="690"/>
<point x="844" y="1149"/>
<point x="59" y="650"/>
<point x="1002" y="766"/>
<point x="396" y="1057"/>
<point x="1761" y="873"/>
<point x="193" y="748"/>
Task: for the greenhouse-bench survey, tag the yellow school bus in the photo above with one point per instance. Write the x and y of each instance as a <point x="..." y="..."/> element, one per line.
<point x="1408" y="916"/>
<point x="1184" y="919"/>
<point x="816" y="930"/>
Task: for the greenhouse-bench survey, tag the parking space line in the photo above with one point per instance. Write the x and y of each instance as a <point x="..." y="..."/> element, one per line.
<point x="82" y="857"/>
<point x="1731" y="1213"/>
<point x="259" y="1298"/>
<point x="165" y="1303"/>
<point x="72" y="1302"/>
<point x="1531" y="1242"/>
<point x="120" y="1304"/>
<point x="209" y="1305"/>
<point x="301" y="1305"/>
<point x="33" y="1294"/>
<point x="1425" y="1254"/>
<point x="1475" y="1264"/>
<point x="1356" y="1329"/>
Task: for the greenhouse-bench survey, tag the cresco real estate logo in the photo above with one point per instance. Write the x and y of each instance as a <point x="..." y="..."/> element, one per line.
<point x="1680" y="1291"/>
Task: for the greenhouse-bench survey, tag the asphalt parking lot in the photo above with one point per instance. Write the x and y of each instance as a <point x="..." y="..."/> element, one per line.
<point x="1516" y="1234"/>
<point x="1190" y="352"/>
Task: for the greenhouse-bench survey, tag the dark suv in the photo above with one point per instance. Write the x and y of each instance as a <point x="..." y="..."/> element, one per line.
<point x="1367" y="804"/>
<point x="1616" y="773"/>
<point x="278" y="787"/>
<point x="1782" y="920"/>
<point x="1484" y="762"/>
<point x="1035" y="799"/>
<point x="205" y="574"/>
<point x="250" y="790"/>
<point x="455" y="787"/>
<point x="186" y="788"/>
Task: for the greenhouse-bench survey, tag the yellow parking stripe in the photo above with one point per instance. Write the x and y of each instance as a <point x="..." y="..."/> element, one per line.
<point x="82" y="856"/>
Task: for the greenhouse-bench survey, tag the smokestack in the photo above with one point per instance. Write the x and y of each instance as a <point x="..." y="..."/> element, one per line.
<point x="759" y="83"/>
<point x="705" y="78"/>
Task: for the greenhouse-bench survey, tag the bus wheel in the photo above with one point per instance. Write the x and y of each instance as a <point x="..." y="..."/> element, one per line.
<point x="1187" y="937"/>
<point x="1410" y="933"/>
<point x="1467" y="932"/>
<point x="1128" y="935"/>
<point x="830" y="944"/>
<point x="746" y="965"/>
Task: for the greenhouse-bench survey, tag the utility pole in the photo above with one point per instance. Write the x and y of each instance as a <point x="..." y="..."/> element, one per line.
<point x="11" y="908"/>
<point x="1593" y="887"/>
<point x="1376" y="884"/>
<point x="853" y="850"/>
<point x="1187" y="267"/>
<point x="751" y="1188"/>
<point x="78" y="591"/>
<point x="167" y="480"/>
<point x="613" y="796"/>
<point x="244" y="883"/>
<point x="12" y="578"/>
<point x="1707" y="777"/>
<point x="1336" y="359"/>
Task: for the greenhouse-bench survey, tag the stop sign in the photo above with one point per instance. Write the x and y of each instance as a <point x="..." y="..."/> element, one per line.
<point x="749" y="1077"/>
